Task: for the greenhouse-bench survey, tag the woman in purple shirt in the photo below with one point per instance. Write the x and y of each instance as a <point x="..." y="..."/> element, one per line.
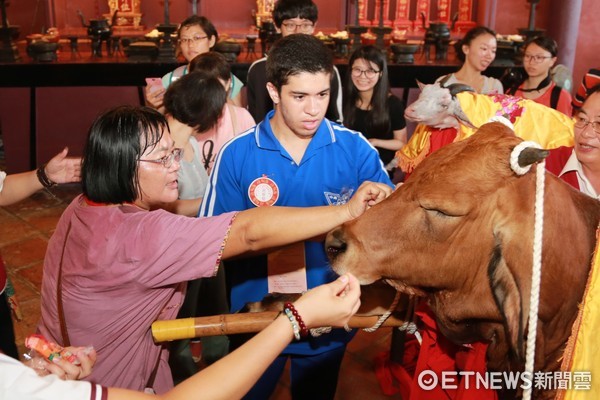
<point x="117" y="262"/>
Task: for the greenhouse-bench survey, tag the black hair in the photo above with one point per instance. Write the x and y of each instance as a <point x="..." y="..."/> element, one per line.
<point x="197" y="100"/>
<point x="116" y="141"/>
<point x="545" y="43"/>
<point x="550" y="46"/>
<point x="288" y="9"/>
<point x="471" y="35"/>
<point x="294" y="54"/>
<point x="203" y="23"/>
<point x="379" y="101"/>
<point x="212" y="63"/>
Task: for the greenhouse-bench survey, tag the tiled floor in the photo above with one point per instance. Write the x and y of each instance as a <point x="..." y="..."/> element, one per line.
<point x="24" y="232"/>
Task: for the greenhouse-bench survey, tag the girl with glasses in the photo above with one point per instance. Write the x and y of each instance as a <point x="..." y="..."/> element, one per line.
<point x="370" y="107"/>
<point x="196" y="35"/>
<point x="477" y="50"/>
<point x="539" y="56"/>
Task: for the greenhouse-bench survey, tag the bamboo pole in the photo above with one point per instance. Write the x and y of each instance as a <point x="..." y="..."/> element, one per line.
<point x="227" y="324"/>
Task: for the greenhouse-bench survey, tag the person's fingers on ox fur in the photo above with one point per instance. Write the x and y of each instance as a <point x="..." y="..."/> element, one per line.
<point x="331" y="304"/>
<point x="367" y="195"/>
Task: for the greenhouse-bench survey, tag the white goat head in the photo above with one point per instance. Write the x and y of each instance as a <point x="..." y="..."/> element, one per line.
<point x="438" y="106"/>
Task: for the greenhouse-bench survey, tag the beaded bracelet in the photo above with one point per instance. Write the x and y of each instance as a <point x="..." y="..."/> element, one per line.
<point x="298" y="318"/>
<point x="43" y="178"/>
<point x="295" y="327"/>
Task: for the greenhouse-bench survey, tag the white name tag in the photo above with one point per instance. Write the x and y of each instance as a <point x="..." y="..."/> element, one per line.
<point x="287" y="269"/>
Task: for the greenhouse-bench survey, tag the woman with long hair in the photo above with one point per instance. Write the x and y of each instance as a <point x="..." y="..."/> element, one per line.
<point x="369" y="105"/>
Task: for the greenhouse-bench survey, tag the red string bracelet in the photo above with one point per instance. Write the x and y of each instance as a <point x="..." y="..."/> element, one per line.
<point x="301" y="324"/>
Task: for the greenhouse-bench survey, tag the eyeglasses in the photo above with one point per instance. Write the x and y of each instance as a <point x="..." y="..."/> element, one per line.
<point x="192" y="40"/>
<point x="369" y="73"/>
<point x="535" y="59"/>
<point x="167" y="160"/>
<point x="304" y="27"/>
<point x="582" y="123"/>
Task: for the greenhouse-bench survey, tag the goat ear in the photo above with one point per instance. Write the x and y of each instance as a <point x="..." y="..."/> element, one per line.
<point x="420" y="85"/>
<point x="508" y="299"/>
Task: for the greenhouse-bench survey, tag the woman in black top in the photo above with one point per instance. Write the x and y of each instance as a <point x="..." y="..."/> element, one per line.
<point x="370" y="107"/>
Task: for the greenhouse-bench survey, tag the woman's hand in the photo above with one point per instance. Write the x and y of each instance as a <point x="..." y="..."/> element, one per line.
<point x="154" y="96"/>
<point x="331" y="304"/>
<point x="61" y="169"/>
<point x="367" y="195"/>
<point x="64" y="369"/>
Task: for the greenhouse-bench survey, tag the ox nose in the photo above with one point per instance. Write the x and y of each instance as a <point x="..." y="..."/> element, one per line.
<point x="335" y="243"/>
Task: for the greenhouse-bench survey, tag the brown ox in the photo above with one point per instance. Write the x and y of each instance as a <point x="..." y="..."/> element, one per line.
<point x="460" y="233"/>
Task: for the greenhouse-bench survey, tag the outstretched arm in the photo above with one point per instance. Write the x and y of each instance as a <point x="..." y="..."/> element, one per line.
<point x="328" y="305"/>
<point x="60" y="169"/>
<point x="266" y="227"/>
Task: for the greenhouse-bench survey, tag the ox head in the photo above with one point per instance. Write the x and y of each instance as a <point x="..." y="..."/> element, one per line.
<point x="438" y="106"/>
<point x="459" y="232"/>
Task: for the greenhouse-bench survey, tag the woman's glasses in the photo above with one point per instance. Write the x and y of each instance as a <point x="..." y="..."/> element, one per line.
<point x="167" y="160"/>
<point x="369" y="73"/>
<point x="536" y="59"/>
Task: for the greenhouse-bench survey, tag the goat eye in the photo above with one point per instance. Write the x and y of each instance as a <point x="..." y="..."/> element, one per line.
<point x="444" y="106"/>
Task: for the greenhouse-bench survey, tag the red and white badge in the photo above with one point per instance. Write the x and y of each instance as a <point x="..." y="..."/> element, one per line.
<point x="263" y="191"/>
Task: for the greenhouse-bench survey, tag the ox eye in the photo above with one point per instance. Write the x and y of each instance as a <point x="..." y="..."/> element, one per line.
<point x="437" y="212"/>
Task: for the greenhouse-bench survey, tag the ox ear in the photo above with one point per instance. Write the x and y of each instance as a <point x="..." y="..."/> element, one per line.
<point x="508" y="299"/>
<point x="531" y="155"/>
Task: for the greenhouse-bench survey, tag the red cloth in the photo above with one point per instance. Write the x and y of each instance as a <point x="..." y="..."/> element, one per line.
<point x="436" y="354"/>
<point x="555" y="162"/>
<point x="440" y="138"/>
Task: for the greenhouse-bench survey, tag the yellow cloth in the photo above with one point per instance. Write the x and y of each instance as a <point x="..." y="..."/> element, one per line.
<point x="532" y="121"/>
<point x="582" y="355"/>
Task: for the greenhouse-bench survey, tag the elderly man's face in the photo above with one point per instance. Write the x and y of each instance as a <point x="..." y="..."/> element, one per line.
<point x="587" y="140"/>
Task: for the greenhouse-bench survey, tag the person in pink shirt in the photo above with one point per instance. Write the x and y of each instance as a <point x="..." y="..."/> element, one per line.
<point x="330" y="304"/>
<point x="118" y="262"/>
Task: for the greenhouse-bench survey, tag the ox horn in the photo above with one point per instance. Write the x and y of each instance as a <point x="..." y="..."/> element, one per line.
<point x="531" y="155"/>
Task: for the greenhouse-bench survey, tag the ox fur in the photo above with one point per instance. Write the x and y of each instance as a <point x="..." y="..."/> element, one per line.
<point x="460" y="233"/>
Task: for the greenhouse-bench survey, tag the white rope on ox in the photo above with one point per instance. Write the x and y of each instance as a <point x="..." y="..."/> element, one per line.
<point x="385" y="315"/>
<point x="536" y="275"/>
<point x="315" y="332"/>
